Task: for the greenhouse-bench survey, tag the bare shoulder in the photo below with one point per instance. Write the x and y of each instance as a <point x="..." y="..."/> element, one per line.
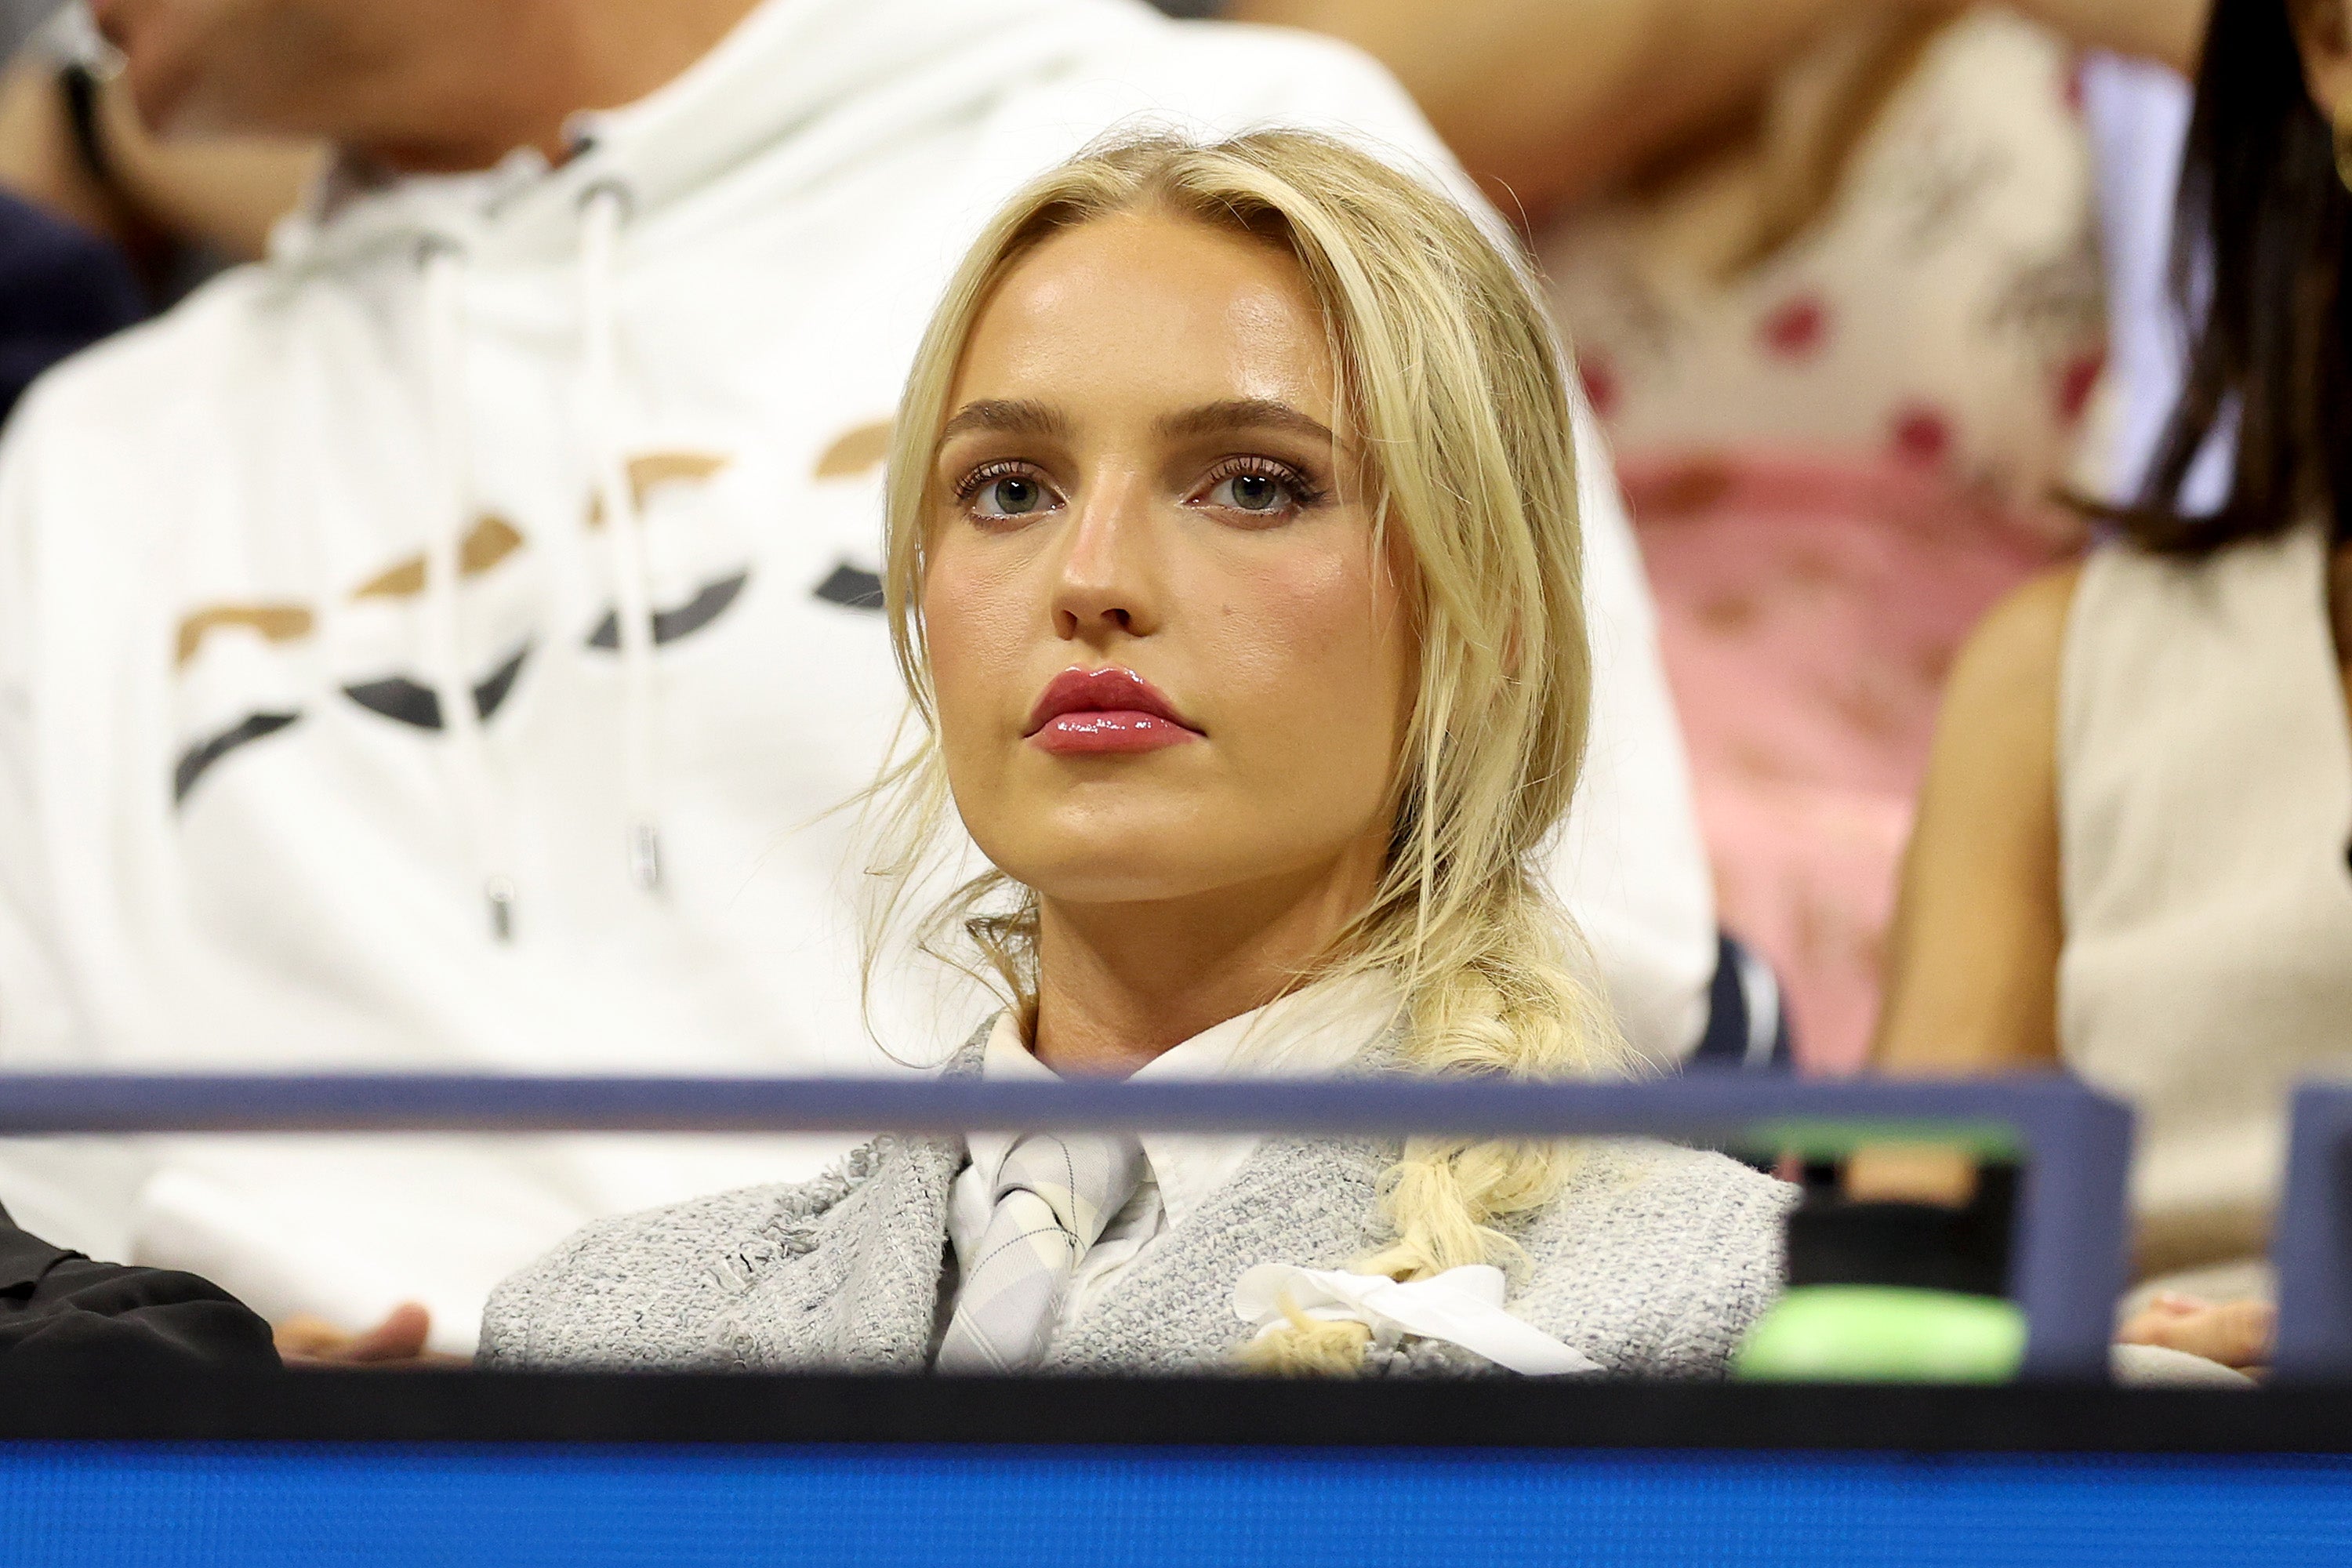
<point x="1993" y="769"/>
<point x="1973" y="952"/>
<point x="1997" y="736"/>
<point x="2016" y="651"/>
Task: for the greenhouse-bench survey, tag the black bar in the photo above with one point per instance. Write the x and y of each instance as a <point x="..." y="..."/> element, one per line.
<point x="1270" y="1413"/>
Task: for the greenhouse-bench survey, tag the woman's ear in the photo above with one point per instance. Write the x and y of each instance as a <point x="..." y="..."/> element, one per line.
<point x="2323" y="30"/>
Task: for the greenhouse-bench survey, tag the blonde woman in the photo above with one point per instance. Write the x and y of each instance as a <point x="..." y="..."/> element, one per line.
<point x="1233" y="565"/>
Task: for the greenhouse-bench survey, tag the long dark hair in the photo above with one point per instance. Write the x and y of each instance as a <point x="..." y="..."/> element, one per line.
<point x="2258" y="265"/>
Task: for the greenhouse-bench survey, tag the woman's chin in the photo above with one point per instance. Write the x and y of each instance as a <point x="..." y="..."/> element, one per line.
<point x="1123" y="870"/>
<point x="1073" y="887"/>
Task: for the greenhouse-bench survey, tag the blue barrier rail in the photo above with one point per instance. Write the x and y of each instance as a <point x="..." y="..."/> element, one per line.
<point x="2312" y="1246"/>
<point x="2070" y="1251"/>
<point x="495" y="1506"/>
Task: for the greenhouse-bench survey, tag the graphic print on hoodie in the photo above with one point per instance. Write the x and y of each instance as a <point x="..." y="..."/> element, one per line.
<point x="495" y="565"/>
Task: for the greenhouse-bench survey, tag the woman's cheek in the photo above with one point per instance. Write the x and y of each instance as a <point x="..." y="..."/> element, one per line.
<point x="1306" y="648"/>
<point x="972" y="642"/>
<point x="1312" y="625"/>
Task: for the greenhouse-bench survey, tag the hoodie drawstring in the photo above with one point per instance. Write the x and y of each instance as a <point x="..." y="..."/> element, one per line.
<point x="604" y="209"/>
<point x="444" y="346"/>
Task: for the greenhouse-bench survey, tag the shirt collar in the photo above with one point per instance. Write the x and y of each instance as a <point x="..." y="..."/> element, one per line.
<point x="1314" y="1032"/>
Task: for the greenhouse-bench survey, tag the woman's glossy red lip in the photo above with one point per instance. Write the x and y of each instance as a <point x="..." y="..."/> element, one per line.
<point x="1108" y="709"/>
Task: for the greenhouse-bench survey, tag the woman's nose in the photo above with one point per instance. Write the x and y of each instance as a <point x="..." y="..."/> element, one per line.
<point x="1105" y="577"/>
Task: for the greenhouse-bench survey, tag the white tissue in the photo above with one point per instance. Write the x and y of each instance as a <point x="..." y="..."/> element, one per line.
<point x="1460" y="1307"/>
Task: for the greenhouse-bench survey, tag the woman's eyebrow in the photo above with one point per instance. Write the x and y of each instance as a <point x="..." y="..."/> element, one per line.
<point x="1245" y="413"/>
<point x="1009" y="416"/>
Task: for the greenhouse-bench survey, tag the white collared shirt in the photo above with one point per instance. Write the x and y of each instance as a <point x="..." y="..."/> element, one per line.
<point x="1311" y="1033"/>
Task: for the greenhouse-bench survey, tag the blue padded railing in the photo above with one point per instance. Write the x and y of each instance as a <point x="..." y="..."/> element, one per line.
<point x="2312" y="1246"/>
<point x="2067" y="1267"/>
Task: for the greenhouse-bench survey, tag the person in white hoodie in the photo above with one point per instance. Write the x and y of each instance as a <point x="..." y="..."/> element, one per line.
<point x="443" y="645"/>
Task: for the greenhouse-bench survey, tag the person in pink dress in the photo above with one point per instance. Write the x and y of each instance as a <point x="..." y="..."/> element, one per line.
<point x="1833" y="272"/>
<point x="1845" y="405"/>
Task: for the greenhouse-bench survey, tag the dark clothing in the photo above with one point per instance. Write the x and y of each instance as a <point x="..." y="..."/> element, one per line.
<point x="1746" y="1027"/>
<point x="60" y="1312"/>
<point x="61" y="290"/>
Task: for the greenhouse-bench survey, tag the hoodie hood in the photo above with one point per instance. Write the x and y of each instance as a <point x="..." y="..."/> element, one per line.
<point x="802" y="89"/>
<point x="816" y="84"/>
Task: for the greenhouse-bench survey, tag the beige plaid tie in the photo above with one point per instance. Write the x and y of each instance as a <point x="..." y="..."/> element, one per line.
<point x="1055" y="1193"/>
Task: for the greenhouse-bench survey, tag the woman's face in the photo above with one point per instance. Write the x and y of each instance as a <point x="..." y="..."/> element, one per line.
<point x="1170" y="660"/>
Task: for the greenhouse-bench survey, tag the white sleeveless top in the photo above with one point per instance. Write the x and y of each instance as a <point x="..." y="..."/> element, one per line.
<point x="2205" y="806"/>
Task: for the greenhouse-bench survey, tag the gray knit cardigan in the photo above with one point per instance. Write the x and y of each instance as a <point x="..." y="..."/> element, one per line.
<point x="1653" y="1261"/>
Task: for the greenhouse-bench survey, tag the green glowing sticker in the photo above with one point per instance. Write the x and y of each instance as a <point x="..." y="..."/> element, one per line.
<point x="1884" y="1333"/>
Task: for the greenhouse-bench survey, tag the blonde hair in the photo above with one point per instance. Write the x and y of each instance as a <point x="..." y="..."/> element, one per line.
<point x="1450" y="380"/>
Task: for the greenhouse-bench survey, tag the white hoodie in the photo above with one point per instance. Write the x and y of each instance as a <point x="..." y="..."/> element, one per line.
<point x="500" y="552"/>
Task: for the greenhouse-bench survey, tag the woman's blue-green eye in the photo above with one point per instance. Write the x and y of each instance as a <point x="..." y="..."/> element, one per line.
<point x="1257" y="492"/>
<point x="1253" y="492"/>
<point x="1011" y="496"/>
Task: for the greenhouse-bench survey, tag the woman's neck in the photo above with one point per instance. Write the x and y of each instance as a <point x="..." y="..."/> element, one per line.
<point x="1120" y="985"/>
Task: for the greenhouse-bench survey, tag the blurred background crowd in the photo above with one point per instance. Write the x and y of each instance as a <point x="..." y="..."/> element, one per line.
<point x="1870" y="296"/>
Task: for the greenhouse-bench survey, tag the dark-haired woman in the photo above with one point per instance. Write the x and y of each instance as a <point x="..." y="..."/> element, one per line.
<point x="2131" y="856"/>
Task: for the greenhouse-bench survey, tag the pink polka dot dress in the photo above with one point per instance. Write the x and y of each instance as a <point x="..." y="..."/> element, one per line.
<point x="1839" y="457"/>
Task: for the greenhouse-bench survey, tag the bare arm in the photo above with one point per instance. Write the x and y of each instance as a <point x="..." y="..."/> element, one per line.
<point x="1972" y="980"/>
<point x="1972" y="960"/>
<point x="2170" y="31"/>
<point x="1547" y="100"/>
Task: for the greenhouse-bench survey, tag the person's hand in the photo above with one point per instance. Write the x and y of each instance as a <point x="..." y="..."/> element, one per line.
<point x="2236" y="1334"/>
<point x="398" y="1341"/>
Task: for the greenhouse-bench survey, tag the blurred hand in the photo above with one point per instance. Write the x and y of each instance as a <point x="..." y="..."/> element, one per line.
<point x="2236" y="1334"/>
<point x="396" y="1343"/>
